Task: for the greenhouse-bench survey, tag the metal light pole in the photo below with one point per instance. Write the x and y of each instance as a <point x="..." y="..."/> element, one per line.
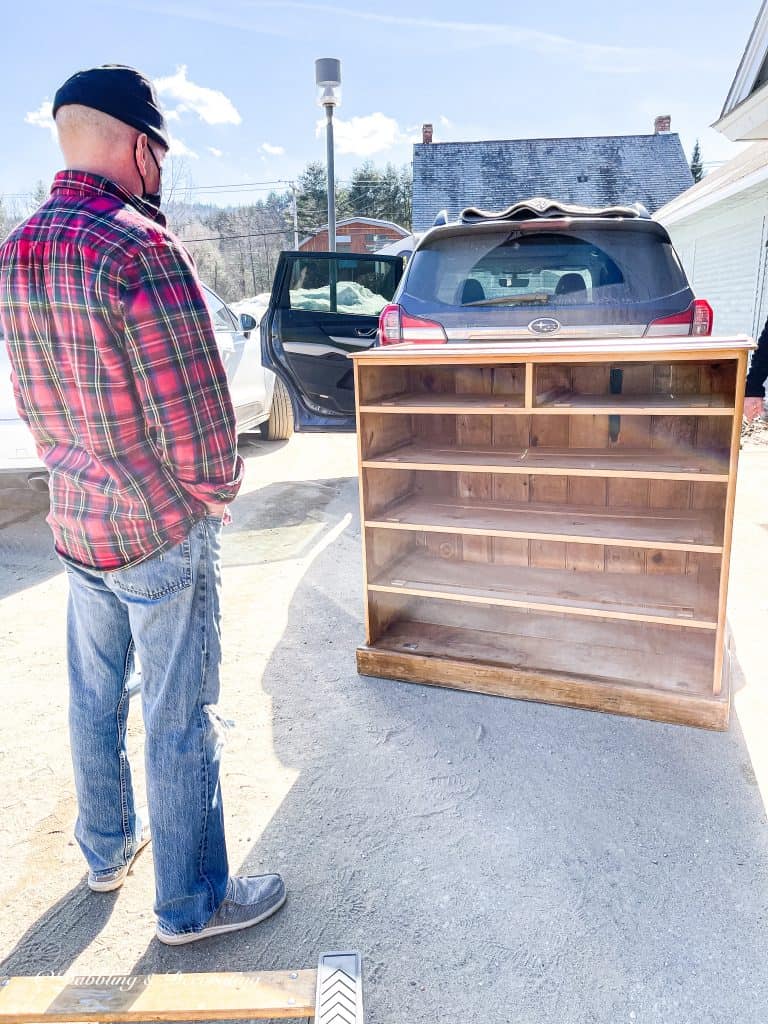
<point x="328" y="80"/>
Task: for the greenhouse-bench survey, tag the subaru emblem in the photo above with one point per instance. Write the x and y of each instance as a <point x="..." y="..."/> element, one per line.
<point x="544" y="325"/>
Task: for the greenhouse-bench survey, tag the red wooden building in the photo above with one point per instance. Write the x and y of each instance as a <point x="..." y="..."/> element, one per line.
<point x="356" y="234"/>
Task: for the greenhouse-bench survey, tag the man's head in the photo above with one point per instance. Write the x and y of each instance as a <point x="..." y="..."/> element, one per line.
<point x="110" y="123"/>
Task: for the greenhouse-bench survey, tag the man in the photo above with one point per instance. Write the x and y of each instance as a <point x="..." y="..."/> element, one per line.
<point x="754" y="403"/>
<point x="116" y="371"/>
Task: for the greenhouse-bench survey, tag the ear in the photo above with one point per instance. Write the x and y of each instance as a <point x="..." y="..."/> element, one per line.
<point x="142" y="156"/>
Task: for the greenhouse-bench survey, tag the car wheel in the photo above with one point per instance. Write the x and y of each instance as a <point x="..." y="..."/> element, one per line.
<point x="279" y="426"/>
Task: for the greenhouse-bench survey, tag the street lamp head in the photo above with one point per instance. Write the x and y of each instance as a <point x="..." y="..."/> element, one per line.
<point x="328" y="80"/>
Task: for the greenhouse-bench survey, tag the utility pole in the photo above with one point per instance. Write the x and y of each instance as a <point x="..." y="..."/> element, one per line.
<point x="295" y="208"/>
<point x="253" y="266"/>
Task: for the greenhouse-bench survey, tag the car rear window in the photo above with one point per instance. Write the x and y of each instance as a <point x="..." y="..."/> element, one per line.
<point x="545" y="269"/>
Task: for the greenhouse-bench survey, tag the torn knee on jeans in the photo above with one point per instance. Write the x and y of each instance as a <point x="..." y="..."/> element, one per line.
<point x="219" y="726"/>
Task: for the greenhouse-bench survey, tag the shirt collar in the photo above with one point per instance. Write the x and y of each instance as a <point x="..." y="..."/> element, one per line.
<point x="84" y="183"/>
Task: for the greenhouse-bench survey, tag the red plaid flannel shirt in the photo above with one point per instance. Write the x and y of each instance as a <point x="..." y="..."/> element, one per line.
<point x="115" y="369"/>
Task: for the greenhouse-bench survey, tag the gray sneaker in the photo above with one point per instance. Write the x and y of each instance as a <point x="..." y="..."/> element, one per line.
<point x="249" y="899"/>
<point x="107" y="881"/>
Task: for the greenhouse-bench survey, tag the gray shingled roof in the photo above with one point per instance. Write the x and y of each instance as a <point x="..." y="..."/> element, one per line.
<point x="602" y="171"/>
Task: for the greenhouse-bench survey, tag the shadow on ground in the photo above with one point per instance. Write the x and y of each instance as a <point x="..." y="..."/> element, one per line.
<point x="57" y="938"/>
<point x="493" y="859"/>
<point x="26" y="547"/>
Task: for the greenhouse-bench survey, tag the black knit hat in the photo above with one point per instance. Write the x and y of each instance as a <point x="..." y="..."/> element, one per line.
<point x="122" y="92"/>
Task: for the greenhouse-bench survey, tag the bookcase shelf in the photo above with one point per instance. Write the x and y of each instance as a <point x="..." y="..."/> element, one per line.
<point x="553" y="521"/>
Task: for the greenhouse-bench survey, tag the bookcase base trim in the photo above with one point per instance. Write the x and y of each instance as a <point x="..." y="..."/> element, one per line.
<point x="576" y="692"/>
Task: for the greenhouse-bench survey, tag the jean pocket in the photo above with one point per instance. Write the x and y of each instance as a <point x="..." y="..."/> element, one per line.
<point x="156" y="577"/>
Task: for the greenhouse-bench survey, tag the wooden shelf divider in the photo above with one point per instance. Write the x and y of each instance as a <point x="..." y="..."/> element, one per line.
<point x="633" y="463"/>
<point x="672" y="601"/>
<point x="636" y="405"/>
<point x="658" y="529"/>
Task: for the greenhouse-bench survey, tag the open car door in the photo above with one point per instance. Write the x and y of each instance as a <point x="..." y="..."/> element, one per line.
<point x="324" y="306"/>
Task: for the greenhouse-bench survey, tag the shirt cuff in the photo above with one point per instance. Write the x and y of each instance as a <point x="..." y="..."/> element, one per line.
<point x="216" y="493"/>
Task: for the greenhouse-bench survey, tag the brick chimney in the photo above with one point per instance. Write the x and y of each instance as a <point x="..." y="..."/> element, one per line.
<point x="662" y="124"/>
<point x="426" y="134"/>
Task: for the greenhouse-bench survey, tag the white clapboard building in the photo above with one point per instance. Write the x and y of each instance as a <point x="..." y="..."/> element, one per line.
<point x="720" y="225"/>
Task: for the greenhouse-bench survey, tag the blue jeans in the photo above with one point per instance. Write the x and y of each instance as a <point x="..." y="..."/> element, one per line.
<point x="167" y="610"/>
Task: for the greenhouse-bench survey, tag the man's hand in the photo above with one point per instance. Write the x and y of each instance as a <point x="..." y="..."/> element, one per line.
<point x="219" y="508"/>
<point x="753" y="407"/>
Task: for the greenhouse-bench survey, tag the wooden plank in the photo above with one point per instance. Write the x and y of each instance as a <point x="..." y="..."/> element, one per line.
<point x="159" y="997"/>
<point x="379" y="488"/>
<point x="674" y="529"/>
<point x="584" y="432"/>
<point x="548" y="490"/>
<point x="730" y="501"/>
<point x="364" y="449"/>
<point x="380" y="381"/>
<point x="381" y="433"/>
<point x="475" y="430"/>
<point x="455" y="404"/>
<point x="678" y="431"/>
<point x="638" y="639"/>
<point x="689" y="672"/>
<point x="637" y="405"/>
<point x="585" y="694"/>
<point x="551" y="350"/>
<point x="512" y="432"/>
<point x="383" y="611"/>
<point x="634" y="380"/>
<point x="440" y="656"/>
<point x="385" y="547"/>
<point x="679" y="463"/>
<point x="530" y="377"/>
<point x="670" y="600"/>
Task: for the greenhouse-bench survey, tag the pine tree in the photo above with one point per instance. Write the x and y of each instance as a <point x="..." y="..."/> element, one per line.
<point x="365" y="191"/>
<point x="38" y="197"/>
<point x="312" y="198"/>
<point x="697" y="168"/>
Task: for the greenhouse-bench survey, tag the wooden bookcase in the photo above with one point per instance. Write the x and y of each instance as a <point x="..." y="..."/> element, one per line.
<point x="552" y="520"/>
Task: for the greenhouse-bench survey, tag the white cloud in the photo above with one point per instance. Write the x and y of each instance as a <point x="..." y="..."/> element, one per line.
<point x="215" y="152"/>
<point x="271" y="150"/>
<point x="210" y="105"/>
<point x="42" y="117"/>
<point x="180" y="148"/>
<point x="364" y="136"/>
<point x="445" y="122"/>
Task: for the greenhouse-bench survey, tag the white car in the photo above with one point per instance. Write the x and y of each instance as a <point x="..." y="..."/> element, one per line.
<point x="260" y="399"/>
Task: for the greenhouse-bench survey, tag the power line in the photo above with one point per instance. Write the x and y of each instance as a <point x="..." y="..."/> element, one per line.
<point x="244" y="186"/>
<point x="229" y="238"/>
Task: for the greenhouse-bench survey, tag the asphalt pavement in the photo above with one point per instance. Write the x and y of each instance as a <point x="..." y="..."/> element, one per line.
<point x="492" y="860"/>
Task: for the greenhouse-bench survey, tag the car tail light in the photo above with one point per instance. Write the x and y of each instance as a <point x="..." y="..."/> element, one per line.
<point x="695" y="320"/>
<point x="396" y="326"/>
<point x="703" y="317"/>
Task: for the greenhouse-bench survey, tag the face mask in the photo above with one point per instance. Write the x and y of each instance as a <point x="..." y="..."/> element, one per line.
<point x="152" y="199"/>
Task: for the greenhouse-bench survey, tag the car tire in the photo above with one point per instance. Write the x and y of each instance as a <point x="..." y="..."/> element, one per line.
<point x="279" y="426"/>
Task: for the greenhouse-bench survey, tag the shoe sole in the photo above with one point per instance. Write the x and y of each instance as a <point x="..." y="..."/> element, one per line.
<point x="116" y="883"/>
<point x="182" y="938"/>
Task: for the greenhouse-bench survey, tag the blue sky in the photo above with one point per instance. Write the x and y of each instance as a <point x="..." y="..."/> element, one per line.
<point x="238" y="76"/>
